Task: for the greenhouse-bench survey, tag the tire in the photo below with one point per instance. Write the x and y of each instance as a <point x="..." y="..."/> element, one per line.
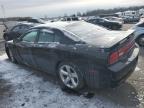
<point x="70" y="77"/>
<point x="10" y="55"/>
<point x="140" y="40"/>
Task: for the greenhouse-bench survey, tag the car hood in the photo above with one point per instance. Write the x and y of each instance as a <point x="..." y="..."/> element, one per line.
<point x="107" y="39"/>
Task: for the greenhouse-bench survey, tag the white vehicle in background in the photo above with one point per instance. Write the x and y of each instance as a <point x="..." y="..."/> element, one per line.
<point x="139" y="32"/>
<point x="142" y="18"/>
<point x="70" y="19"/>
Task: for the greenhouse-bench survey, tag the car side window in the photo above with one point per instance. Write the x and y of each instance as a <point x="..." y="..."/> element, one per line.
<point x="68" y="38"/>
<point x="24" y="28"/>
<point x="101" y="20"/>
<point x="30" y="36"/>
<point x="61" y="37"/>
<point x="16" y="28"/>
<point x="45" y="36"/>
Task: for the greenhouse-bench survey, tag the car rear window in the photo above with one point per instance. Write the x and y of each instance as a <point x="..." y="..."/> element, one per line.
<point x="84" y="30"/>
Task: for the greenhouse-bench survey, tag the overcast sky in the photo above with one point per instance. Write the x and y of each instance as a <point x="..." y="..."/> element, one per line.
<point x="52" y="8"/>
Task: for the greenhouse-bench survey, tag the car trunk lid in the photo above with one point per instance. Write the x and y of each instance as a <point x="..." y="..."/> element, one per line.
<point x="109" y="39"/>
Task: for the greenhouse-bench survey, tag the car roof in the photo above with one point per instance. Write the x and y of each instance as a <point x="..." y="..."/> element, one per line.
<point x="87" y="32"/>
<point x="26" y="23"/>
<point x="58" y="25"/>
<point x="80" y="29"/>
<point x="68" y="25"/>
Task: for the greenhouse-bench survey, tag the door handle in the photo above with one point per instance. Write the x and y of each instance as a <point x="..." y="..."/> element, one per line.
<point x="53" y="45"/>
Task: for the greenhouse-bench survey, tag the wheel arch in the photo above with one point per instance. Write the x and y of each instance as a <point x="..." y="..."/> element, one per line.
<point x="66" y="61"/>
<point x="71" y="62"/>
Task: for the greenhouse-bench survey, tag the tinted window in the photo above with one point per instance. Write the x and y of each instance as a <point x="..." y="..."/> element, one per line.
<point x="33" y="20"/>
<point x="57" y="38"/>
<point x="16" y="28"/>
<point x="85" y="30"/>
<point x="25" y="28"/>
<point x="62" y="37"/>
<point x="30" y="37"/>
<point x="36" y="21"/>
<point x="100" y="20"/>
<point x="46" y="36"/>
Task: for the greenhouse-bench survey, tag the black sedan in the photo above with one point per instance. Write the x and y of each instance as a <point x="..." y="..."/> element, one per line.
<point x="112" y="25"/>
<point x="16" y="31"/>
<point x="80" y="54"/>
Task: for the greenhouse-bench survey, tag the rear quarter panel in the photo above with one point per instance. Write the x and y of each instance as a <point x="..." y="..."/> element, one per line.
<point x="85" y="57"/>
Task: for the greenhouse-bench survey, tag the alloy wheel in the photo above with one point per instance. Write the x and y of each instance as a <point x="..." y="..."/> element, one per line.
<point x="69" y="76"/>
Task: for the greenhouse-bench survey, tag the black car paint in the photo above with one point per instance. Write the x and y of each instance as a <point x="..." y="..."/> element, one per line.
<point x="91" y="60"/>
<point x="113" y="25"/>
<point x="11" y="34"/>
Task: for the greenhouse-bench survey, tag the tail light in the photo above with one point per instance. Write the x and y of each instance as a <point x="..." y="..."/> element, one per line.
<point x="115" y="56"/>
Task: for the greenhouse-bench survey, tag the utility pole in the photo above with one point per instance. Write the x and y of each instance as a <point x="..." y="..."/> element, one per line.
<point x="4" y="19"/>
<point x="3" y="11"/>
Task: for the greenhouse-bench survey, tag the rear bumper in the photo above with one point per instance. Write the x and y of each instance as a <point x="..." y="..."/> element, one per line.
<point x="112" y="76"/>
<point x="120" y="76"/>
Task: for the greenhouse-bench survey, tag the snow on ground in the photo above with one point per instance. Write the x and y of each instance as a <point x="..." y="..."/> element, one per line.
<point x="22" y="87"/>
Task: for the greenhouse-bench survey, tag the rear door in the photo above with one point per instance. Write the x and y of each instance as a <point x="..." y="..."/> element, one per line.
<point x="43" y="50"/>
<point x="48" y="51"/>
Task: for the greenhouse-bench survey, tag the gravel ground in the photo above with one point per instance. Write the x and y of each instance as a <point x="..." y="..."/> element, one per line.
<point x="23" y="87"/>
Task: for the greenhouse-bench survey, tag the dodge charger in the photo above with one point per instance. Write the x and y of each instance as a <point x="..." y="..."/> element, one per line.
<point x="81" y="55"/>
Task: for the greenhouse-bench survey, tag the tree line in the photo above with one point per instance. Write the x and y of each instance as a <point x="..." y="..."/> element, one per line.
<point x="98" y="12"/>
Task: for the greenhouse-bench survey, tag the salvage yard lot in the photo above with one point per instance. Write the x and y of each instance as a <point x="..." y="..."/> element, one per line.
<point x="21" y="86"/>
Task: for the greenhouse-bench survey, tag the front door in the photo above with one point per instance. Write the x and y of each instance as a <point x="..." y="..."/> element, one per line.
<point x="25" y="46"/>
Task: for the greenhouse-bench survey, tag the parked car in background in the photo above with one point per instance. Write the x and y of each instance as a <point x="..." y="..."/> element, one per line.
<point x="113" y="25"/>
<point x="80" y="54"/>
<point x="139" y="32"/>
<point x="131" y="19"/>
<point x="16" y="31"/>
<point x="111" y="18"/>
<point x="33" y="20"/>
<point x="142" y="18"/>
<point x="70" y="19"/>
